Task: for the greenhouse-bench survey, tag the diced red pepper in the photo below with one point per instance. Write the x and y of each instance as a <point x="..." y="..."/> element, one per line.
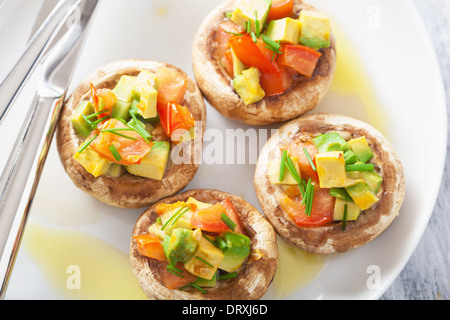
<point x="253" y="54"/>
<point x="281" y="9"/>
<point x="232" y="214"/>
<point x="276" y="83"/>
<point x="108" y="97"/>
<point x="300" y="58"/>
<point x="321" y="211"/>
<point x="173" y="117"/>
<point x="224" y="33"/>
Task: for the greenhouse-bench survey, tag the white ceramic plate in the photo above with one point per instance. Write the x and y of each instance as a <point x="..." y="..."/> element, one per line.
<point x="77" y="248"/>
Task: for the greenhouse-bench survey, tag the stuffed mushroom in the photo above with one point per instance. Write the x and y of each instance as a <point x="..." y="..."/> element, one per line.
<point x="329" y="183"/>
<point x="262" y="61"/>
<point x="131" y="132"/>
<point x="203" y="244"/>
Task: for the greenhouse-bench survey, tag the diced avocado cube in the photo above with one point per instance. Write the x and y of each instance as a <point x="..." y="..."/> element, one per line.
<point x="331" y="141"/>
<point x="361" y="148"/>
<point x="353" y="211"/>
<point x="238" y="66"/>
<point x="248" y="87"/>
<point x="165" y="244"/>
<point x="285" y="30"/>
<point x="85" y="108"/>
<point x="147" y="103"/>
<point x="93" y="162"/>
<point x="123" y="88"/>
<point x="340" y="193"/>
<point x="204" y="283"/>
<point x="154" y="164"/>
<point x="373" y="179"/>
<point x="116" y="170"/>
<point x="183" y="244"/>
<point x="350" y="157"/>
<point x="148" y="77"/>
<point x="362" y="195"/>
<point x="200" y="205"/>
<point x="205" y="261"/>
<point x="238" y="249"/>
<point x="273" y="170"/>
<point x="121" y="110"/>
<point x="315" y="31"/>
<point x="331" y="169"/>
<point x="171" y="222"/>
<point x="248" y="11"/>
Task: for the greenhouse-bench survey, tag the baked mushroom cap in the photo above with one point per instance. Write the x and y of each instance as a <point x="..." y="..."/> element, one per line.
<point x="129" y="191"/>
<point x="216" y="83"/>
<point x="253" y="278"/>
<point x="330" y="238"/>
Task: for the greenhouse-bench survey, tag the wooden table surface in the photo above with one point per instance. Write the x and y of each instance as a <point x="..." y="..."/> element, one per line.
<point x="427" y="274"/>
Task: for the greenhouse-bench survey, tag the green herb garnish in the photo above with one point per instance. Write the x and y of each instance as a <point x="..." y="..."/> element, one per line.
<point x="228" y="276"/>
<point x="283" y="165"/>
<point x="179" y="216"/>
<point x="230" y="224"/>
<point x="172" y="217"/>
<point x="204" y="261"/>
<point x="86" y="144"/>
<point x="344" y="219"/>
<point x="115" y="153"/>
<point x="114" y="131"/>
<point x="359" y="167"/>
<point x="311" y="163"/>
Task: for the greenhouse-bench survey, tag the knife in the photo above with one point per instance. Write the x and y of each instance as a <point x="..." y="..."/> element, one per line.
<point x="17" y="184"/>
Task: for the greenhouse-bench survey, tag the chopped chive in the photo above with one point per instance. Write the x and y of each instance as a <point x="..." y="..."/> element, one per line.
<point x="95" y="123"/>
<point x="196" y="286"/>
<point x="175" y="273"/>
<point x="311" y="163"/>
<point x="230" y="224"/>
<point x="97" y="113"/>
<point x="210" y="241"/>
<point x="257" y="24"/>
<point x="114" y="131"/>
<point x="179" y="216"/>
<point x="141" y="131"/>
<point x="292" y="170"/>
<point x="234" y="34"/>
<point x="89" y="122"/>
<point x="205" y="262"/>
<point x="310" y="200"/>
<point x="344" y="219"/>
<point x="158" y="220"/>
<point x="254" y="37"/>
<point x="115" y="153"/>
<point x="170" y="219"/>
<point x="221" y="243"/>
<point x="359" y="167"/>
<point x="273" y="56"/>
<point x="308" y="187"/>
<point x="274" y="46"/>
<point x="228" y="276"/>
<point x="173" y="268"/>
<point x="86" y="144"/>
<point x="283" y="165"/>
<point x="247" y="26"/>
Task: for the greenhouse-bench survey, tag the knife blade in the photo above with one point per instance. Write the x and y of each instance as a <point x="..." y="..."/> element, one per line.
<point x="17" y="183"/>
